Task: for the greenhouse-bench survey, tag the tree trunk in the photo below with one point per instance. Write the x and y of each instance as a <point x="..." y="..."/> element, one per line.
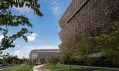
<point x="82" y="66"/>
<point x="70" y="68"/>
<point x="91" y="66"/>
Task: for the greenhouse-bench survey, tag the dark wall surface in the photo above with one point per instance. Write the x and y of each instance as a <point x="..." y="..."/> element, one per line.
<point x="87" y="18"/>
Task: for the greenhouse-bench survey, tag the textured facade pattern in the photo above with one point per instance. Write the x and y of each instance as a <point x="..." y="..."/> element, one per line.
<point x="44" y="53"/>
<point x="87" y="18"/>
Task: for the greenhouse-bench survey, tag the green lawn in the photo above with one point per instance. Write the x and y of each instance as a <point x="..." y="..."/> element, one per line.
<point x="20" y="68"/>
<point x="74" y="68"/>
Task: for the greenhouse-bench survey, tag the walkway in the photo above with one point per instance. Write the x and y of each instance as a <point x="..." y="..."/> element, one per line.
<point x="40" y="68"/>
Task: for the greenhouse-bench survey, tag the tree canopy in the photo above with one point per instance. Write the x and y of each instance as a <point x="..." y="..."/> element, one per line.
<point x="109" y="43"/>
<point x="54" y="60"/>
<point x="9" y="19"/>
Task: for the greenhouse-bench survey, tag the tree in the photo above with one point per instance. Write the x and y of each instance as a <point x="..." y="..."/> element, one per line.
<point x="68" y="54"/>
<point x="14" y="61"/>
<point x="8" y="19"/>
<point x="62" y="59"/>
<point x="54" y="60"/>
<point x="42" y="60"/>
<point x="91" y="60"/>
<point x="18" y="61"/>
<point x="82" y="52"/>
<point x="34" y="61"/>
<point x="109" y="43"/>
<point x="9" y="59"/>
<point x="4" y="60"/>
<point x="0" y="61"/>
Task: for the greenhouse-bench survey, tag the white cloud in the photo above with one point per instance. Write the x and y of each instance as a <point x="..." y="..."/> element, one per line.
<point x="19" y="54"/>
<point x="1" y="36"/>
<point x="56" y="9"/>
<point x="24" y="10"/>
<point x="32" y="37"/>
<point x="54" y="2"/>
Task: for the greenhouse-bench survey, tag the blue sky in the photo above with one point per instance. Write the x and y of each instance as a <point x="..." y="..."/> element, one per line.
<point x="45" y="28"/>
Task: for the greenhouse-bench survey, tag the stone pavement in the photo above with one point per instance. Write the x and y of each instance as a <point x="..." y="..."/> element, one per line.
<point x="40" y="68"/>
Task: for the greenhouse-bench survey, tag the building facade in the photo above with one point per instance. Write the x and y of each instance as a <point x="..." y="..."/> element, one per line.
<point x="87" y="18"/>
<point x="44" y="53"/>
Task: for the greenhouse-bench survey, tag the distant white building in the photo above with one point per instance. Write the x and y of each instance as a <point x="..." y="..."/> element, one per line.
<point x="44" y="53"/>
